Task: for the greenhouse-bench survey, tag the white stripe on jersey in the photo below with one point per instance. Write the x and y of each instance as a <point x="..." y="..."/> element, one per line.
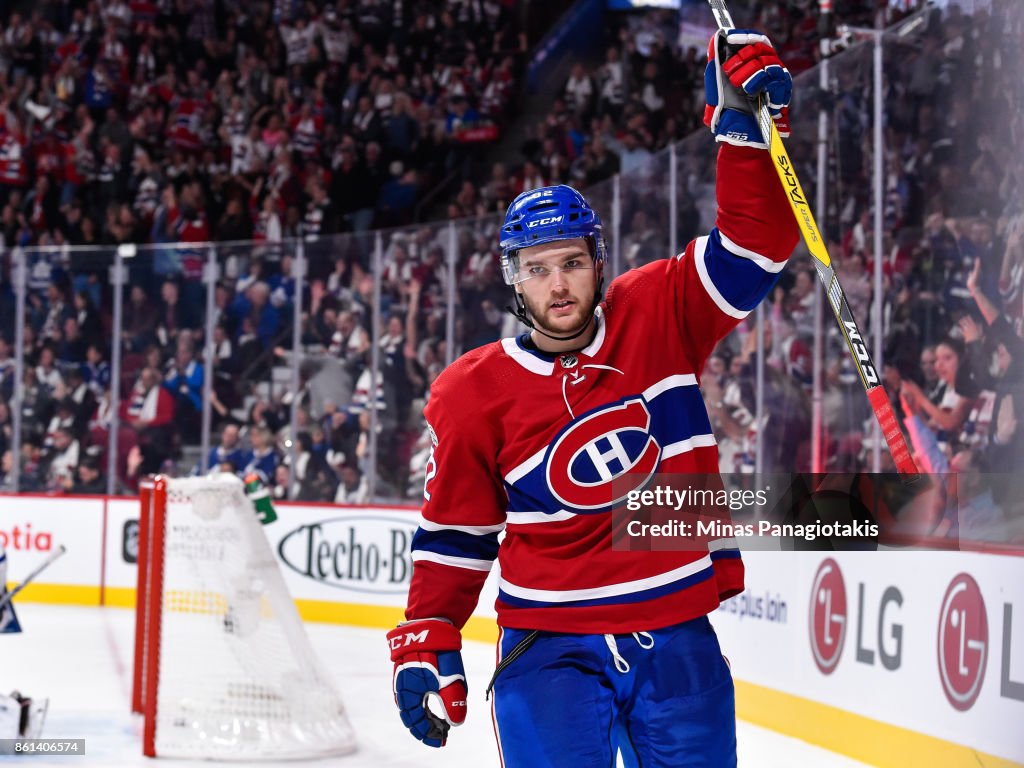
<point x="762" y="261"/>
<point x="526" y="467"/>
<point x="476" y="530"/>
<point x="531" y="518"/>
<point x="527" y="359"/>
<point x="611" y="590"/>
<point x="687" y="445"/>
<point x="699" y="250"/>
<point x="534" y="364"/>
<point x="669" y="382"/>
<point x="468" y="563"/>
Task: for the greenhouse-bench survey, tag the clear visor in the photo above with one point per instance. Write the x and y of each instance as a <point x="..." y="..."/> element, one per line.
<point x="516" y="270"/>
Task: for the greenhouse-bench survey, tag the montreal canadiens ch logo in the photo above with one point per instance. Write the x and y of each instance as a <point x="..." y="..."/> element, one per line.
<point x="600" y="458"/>
<point x="828" y="616"/>
<point x="963" y="642"/>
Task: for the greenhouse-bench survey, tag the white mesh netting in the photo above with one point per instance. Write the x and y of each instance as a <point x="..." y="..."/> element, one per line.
<point x="238" y="677"/>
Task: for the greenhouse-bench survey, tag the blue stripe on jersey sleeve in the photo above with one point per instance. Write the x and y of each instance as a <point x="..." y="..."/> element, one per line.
<point x="677" y="414"/>
<point x="739" y="279"/>
<point x="456" y="544"/>
<point x="725" y="554"/>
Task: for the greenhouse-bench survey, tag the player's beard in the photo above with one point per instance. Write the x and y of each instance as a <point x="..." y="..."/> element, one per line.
<point x="545" y="320"/>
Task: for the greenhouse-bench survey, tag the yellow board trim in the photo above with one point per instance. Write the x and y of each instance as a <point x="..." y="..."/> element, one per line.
<point x="119" y="597"/>
<point x="837" y="730"/>
<point x="351" y="614"/>
<point x="63" y="594"/>
<point x="856" y="736"/>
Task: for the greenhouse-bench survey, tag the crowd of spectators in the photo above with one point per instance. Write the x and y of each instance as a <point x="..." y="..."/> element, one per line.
<point x="646" y="91"/>
<point x="953" y="268"/>
<point x="192" y="120"/>
<point x="195" y="120"/>
<point x="952" y="264"/>
<point x="67" y="410"/>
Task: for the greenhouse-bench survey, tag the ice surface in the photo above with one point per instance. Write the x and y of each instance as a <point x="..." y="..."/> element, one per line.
<point x="81" y="658"/>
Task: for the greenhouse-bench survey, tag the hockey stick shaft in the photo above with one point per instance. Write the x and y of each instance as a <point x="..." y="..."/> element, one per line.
<point x="5" y="599"/>
<point x="858" y="349"/>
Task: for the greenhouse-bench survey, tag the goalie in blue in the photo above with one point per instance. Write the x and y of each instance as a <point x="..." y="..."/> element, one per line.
<point x="8" y="618"/>
<point x="20" y="716"/>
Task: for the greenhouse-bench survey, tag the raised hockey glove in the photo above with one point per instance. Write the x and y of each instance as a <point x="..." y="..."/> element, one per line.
<point x="742" y="64"/>
<point x="428" y="667"/>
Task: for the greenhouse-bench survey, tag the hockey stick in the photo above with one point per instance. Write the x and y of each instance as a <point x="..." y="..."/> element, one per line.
<point x="5" y="599"/>
<point x="869" y="377"/>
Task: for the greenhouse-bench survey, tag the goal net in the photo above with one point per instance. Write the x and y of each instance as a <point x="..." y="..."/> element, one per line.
<point x="223" y="668"/>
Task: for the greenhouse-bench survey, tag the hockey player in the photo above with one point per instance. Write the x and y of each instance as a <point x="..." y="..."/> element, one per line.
<point x="8" y="618"/>
<point x="600" y="651"/>
<point x="20" y="716"/>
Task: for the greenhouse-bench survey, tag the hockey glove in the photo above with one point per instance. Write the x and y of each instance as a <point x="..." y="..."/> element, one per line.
<point x="742" y="64"/>
<point x="428" y="665"/>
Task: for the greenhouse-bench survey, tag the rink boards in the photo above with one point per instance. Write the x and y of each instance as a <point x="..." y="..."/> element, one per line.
<point x="893" y="658"/>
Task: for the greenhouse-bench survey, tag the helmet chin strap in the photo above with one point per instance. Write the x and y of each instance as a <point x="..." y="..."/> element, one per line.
<point x="524" y="316"/>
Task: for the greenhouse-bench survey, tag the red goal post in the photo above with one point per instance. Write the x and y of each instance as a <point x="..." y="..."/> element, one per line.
<point x="222" y="668"/>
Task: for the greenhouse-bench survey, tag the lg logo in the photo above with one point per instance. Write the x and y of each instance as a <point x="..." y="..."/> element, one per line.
<point x="963" y="639"/>
<point x="963" y="642"/>
<point x="828" y="616"/>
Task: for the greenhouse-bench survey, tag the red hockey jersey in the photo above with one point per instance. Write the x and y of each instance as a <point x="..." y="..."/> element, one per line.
<point x="530" y="446"/>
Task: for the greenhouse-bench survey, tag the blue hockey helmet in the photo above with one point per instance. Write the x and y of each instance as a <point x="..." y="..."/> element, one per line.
<point x="546" y="215"/>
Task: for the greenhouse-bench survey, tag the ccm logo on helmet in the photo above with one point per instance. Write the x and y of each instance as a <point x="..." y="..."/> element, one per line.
<point x="599" y="459"/>
<point x="545" y="220"/>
